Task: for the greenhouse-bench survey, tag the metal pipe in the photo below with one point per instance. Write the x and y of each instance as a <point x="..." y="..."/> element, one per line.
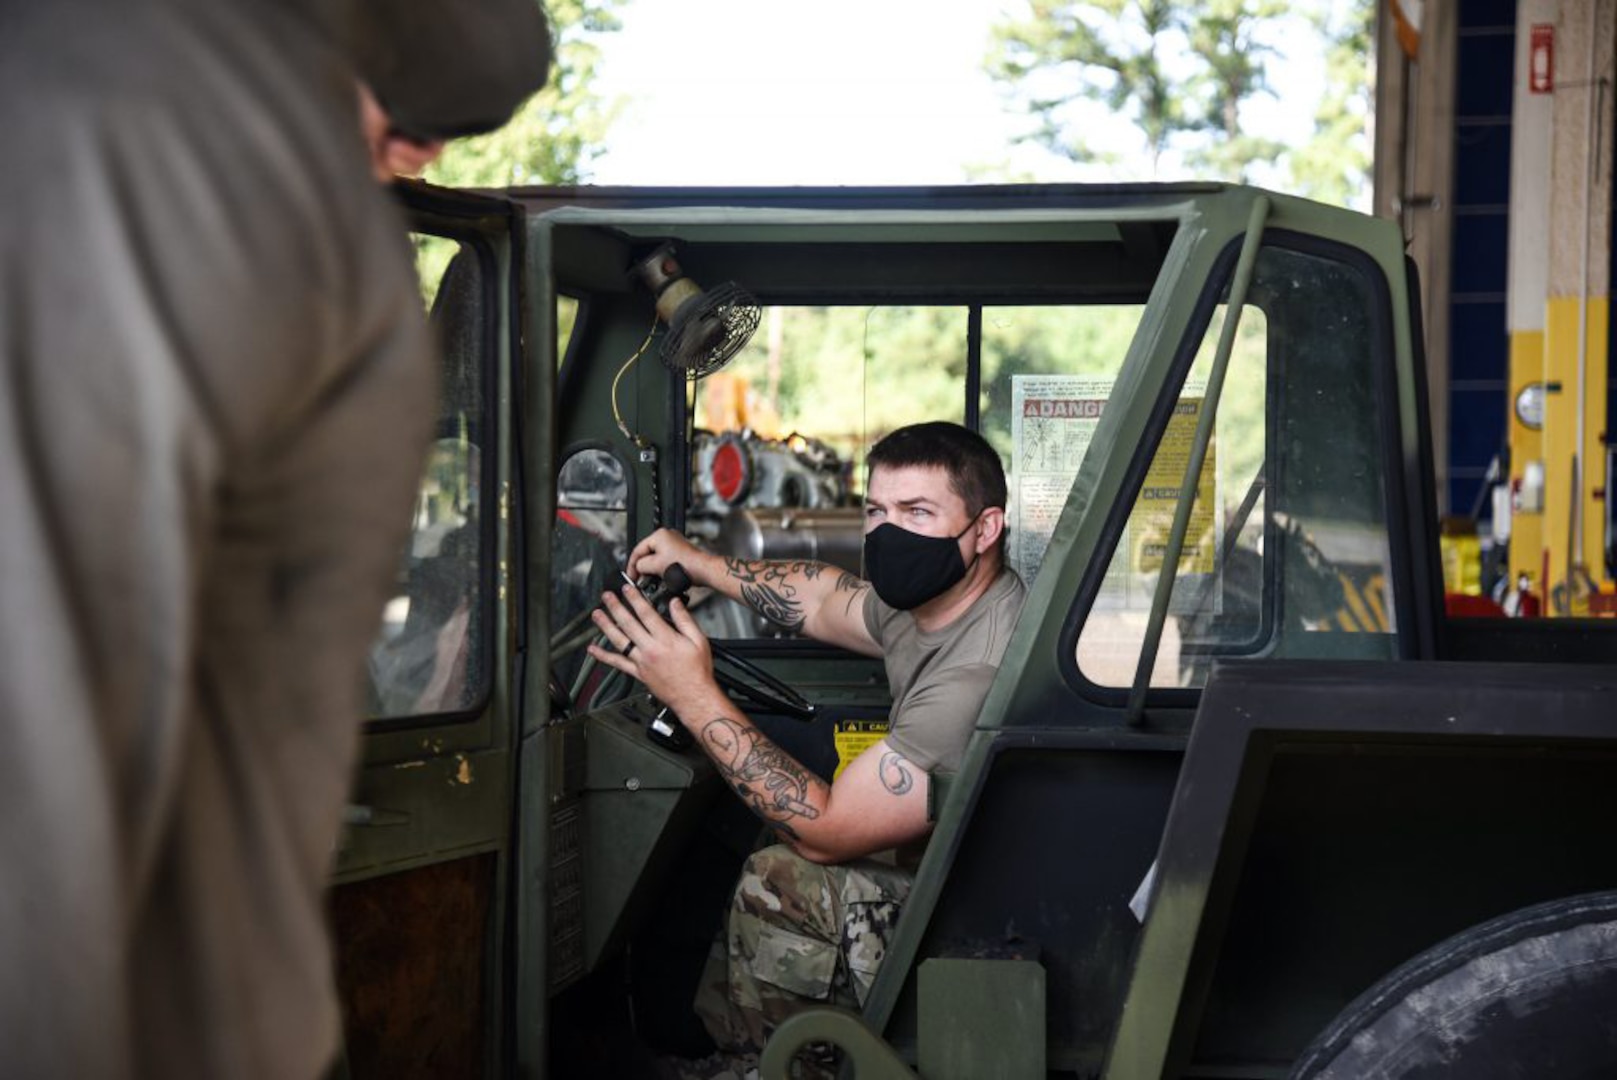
<point x="832" y="535"/>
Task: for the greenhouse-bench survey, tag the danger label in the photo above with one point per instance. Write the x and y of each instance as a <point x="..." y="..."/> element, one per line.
<point x="1064" y="408"/>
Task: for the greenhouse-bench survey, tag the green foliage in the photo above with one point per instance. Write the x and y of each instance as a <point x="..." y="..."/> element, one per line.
<point x="1232" y="67"/>
<point x="557" y="132"/>
<point x="1090" y="340"/>
<point x="551" y="139"/>
<point x="1181" y="71"/>
<point x="1334" y="165"/>
<point x="432" y="255"/>
<point x="848" y="375"/>
<point x="1239" y="436"/>
<point x="1113" y="48"/>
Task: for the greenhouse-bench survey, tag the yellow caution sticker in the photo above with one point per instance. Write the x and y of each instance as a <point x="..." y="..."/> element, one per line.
<point x="854" y="737"/>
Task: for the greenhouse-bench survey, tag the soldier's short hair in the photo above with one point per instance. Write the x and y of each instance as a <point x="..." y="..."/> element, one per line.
<point x="974" y="469"/>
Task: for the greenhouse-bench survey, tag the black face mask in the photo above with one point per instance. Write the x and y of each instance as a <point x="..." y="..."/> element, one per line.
<point x="908" y="569"/>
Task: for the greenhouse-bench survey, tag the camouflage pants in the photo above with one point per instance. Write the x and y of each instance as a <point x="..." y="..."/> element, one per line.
<point x="797" y="933"/>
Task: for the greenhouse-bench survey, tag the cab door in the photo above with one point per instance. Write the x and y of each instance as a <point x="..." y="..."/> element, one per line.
<point x="418" y="904"/>
<point x="1247" y="486"/>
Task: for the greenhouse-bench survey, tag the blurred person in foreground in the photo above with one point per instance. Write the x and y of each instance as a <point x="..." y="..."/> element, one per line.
<point x="812" y="915"/>
<point x="218" y="400"/>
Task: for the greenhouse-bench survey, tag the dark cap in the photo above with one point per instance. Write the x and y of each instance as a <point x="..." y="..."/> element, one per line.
<point x="445" y="68"/>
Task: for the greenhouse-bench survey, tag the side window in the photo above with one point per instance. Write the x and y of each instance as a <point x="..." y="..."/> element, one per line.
<point x="566" y="321"/>
<point x="431" y="656"/>
<point x="589" y="544"/>
<point x="1287" y="538"/>
<point x="777" y="461"/>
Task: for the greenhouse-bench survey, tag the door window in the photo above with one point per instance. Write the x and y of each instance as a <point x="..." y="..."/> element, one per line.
<point x="1287" y="552"/>
<point x="588" y="545"/>
<point x="431" y="656"/>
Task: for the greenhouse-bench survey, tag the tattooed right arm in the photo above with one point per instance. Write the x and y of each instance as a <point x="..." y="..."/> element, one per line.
<point x="776" y="590"/>
<point x="800" y="596"/>
<point x="803" y="597"/>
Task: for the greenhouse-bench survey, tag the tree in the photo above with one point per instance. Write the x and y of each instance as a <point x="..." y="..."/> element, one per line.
<point x="1182" y="71"/>
<point x="555" y="135"/>
<point x="550" y="140"/>
<point x="1113" y="47"/>
<point x="1334" y="165"/>
<point x="1223" y="39"/>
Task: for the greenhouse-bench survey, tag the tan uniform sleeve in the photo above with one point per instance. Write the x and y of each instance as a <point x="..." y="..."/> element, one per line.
<point x="932" y="726"/>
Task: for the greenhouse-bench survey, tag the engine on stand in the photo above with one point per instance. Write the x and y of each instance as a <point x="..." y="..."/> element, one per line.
<point x="757" y="498"/>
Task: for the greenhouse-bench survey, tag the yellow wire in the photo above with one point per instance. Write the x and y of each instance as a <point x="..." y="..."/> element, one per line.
<point x="616" y="415"/>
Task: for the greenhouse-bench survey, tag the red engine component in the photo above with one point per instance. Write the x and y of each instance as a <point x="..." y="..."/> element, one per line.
<point x="731" y="470"/>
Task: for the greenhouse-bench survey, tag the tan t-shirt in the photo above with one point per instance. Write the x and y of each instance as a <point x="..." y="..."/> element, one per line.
<point x="939" y="680"/>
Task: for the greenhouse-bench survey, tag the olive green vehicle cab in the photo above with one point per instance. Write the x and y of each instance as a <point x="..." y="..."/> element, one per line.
<point x="1208" y="400"/>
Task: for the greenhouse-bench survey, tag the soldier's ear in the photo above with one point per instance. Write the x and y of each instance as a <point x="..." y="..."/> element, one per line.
<point x="990" y="526"/>
<point x="404" y="156"/>
<point x="392" y="153"/>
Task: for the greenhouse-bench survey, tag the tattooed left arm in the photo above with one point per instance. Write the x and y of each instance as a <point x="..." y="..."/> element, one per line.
<point x="763" y="776"/>
<point x="879" y="801"/>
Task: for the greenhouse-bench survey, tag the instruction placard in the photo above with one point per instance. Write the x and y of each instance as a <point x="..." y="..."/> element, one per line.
<point x="1053" y="422"/>
<point x="1053" y="419"/>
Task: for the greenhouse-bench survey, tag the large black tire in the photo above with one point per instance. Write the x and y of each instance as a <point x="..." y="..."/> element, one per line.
<point x="1532" y="994"/>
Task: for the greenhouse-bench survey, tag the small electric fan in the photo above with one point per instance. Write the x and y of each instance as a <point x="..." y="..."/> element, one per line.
<point x="705" y="328"/>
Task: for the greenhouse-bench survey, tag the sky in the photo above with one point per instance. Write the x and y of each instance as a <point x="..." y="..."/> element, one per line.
<point x="838" y="92"/>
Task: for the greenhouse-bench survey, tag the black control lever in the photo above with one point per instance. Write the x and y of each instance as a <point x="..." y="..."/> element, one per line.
<point x="770" y="692"/>
<point x="675" y="582"/>
<point x="779" y="696"/>
<point x="664" y="727"/>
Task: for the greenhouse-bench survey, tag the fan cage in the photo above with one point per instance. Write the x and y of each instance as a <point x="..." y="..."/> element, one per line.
<point x="706" y="332"/>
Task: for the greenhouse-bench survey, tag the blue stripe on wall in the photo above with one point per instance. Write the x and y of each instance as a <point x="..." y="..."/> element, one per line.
<point x="1479" y="344"/>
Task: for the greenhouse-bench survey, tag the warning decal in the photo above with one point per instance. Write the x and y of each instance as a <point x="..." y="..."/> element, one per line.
<point x="854" y="737"/>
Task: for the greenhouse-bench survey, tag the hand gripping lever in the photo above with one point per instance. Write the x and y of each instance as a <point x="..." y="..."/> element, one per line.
<point x="759" y="686"/>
